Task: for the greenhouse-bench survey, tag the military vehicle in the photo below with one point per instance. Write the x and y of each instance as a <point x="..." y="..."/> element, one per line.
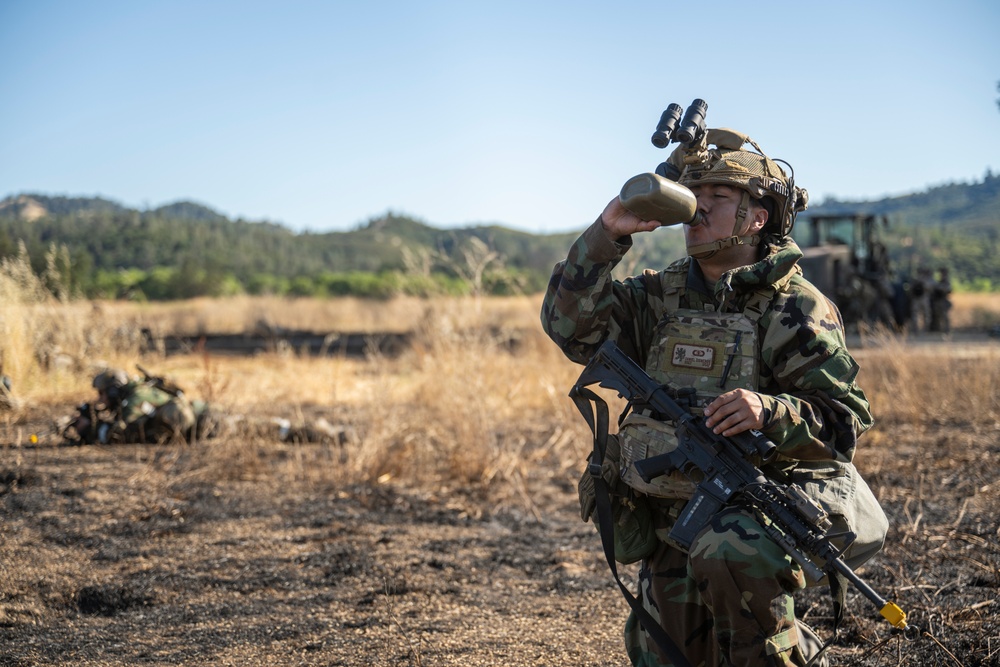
<point x="845" y="259"/>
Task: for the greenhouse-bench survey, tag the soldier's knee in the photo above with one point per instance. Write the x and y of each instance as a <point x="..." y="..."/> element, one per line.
<point x="734" y="545"/>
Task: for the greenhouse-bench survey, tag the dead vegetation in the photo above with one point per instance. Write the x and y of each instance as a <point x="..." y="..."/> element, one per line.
<point x="445" y="532"/>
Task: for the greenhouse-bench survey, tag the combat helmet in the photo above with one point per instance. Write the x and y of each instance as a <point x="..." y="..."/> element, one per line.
<point x="722" y="159"/>
<point x="111" y="378"/>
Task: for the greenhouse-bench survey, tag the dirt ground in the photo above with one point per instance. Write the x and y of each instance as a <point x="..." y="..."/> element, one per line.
<point x="123" y="556"/>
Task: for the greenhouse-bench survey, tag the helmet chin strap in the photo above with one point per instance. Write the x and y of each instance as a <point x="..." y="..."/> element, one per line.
<point x="707" y="250"/>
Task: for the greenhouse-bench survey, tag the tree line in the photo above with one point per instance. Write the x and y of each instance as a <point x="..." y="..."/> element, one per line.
<point x="95" y="248"/>
<point x="183" y="253"/>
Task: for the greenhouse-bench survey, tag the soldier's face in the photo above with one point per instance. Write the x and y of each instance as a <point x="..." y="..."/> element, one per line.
<point x="718" y="205"/>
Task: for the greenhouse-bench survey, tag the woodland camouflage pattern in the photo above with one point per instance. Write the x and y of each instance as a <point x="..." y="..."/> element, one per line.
<point x="742" y="625"/>
<point x="173" y="415"/>
<point x="814" y="410"/>
<point x="145" y="413"/>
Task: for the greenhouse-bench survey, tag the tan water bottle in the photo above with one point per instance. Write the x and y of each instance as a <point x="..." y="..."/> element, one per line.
<point x="653" y="197"/>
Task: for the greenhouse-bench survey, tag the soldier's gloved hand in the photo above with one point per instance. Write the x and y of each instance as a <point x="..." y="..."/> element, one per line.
<point x="609" y="473"/>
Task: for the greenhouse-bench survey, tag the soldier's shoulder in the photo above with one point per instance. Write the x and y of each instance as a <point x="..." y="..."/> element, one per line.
<point x="670" y="280"/>
<point x="803" y="304"/>
<point x="802" y="287"/>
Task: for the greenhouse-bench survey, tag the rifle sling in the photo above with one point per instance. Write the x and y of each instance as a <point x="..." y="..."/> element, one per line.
<point x="838" y="584"/>
<point x="584" y="399"/>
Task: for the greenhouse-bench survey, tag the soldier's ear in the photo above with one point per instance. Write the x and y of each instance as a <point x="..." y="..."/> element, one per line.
<point x="758" y="219"/>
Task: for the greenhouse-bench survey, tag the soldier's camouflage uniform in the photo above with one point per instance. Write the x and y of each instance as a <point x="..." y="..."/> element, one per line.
<point x="728" y="602"/>
<point x="148" y="414"/>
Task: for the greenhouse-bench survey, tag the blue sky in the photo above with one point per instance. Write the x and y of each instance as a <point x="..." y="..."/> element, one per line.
<point x="321" y="115"/>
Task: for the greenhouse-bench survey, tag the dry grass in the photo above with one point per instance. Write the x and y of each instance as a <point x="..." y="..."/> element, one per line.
<point x="480" y="394"/>
<point x="950" y="382"/>
<point x="461" y="408"/>
<point x="356" y="546"/>
<point x="975" y="310"/>
<point x="245" y="313"/>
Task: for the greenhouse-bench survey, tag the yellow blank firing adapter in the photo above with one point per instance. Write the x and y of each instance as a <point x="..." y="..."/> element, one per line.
<point x="896" y="616"/>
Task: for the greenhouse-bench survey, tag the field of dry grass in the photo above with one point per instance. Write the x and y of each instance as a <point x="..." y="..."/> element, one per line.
<point x="445" y="530"/>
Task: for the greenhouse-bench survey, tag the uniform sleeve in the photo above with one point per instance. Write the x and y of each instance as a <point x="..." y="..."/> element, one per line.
<point x="584" y="306"/>
<point x="809" y="381"/>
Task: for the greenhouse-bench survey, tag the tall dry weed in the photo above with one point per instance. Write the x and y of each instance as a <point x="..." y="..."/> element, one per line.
<point x="478" y="400"/>
<point x="20" y="291"/>
<point x="46" y="342"/>
<point x="475" y="406"/>
<point x="937" y="409"/>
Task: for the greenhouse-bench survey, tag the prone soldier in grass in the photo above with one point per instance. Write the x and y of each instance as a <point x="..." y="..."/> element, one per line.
<point x="136" y="410"/>
<point x="763" y="350"/>
<point x="153" y="409"/>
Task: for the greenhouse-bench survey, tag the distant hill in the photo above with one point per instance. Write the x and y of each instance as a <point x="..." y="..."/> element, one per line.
<point x="33" y="207"/>
<point x="972" y="209"/>
<point x="187" y="249"/>
<point x="187" y="210"/>
<point x="101" y="248"/>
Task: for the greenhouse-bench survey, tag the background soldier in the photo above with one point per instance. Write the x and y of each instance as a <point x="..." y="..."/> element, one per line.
<point x="920" y="300"/>
<point x="941" y="302"/>
<point x="764" y="350"/>
<point x="130" y="410"/>
<point x="153" y="409"/>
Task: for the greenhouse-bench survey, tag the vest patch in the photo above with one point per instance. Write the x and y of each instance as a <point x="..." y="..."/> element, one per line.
<point x="708" y="351"/>
<point x="693" y="356"/>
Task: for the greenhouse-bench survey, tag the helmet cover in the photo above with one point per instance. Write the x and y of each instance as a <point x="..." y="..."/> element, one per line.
<point x="751" y="171"/>
<point x="110" y="378"/>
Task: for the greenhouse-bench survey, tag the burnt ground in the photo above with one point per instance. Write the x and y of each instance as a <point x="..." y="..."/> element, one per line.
<point x="133" y="555"/>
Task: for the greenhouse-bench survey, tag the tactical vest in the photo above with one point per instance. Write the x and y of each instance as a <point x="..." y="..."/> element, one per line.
<point x="709" y="352"/>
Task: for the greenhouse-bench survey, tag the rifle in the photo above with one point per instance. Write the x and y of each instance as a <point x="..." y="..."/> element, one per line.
<point x="160" y="382"/>
<point x="793" y="520"/>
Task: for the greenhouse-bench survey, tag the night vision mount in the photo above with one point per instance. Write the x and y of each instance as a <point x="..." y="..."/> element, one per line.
<point x="688" y="131"/>
<point x="658" y="196"/>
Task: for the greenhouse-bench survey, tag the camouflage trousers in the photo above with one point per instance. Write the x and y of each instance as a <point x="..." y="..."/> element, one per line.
<point x="727" y="603"/>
